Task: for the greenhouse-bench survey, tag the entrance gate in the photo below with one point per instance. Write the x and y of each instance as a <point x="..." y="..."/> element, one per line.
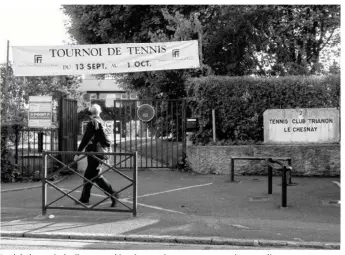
<point x="160" y="142"/>
<point x="68" y="131"/>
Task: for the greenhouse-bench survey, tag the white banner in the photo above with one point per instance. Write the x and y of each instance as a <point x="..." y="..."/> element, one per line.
<point x="104" y="58"/>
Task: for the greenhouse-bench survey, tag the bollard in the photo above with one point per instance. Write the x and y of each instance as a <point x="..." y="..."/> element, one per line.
<point x="232" y="170"/>
<point x="269" y="177"/>
<point x="284" y="187"/>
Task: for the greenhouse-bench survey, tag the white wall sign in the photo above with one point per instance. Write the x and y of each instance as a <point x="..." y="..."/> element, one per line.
<point x="40" y="111"/>
<point x="308" y="125"/>
<point x="104" y="58"/>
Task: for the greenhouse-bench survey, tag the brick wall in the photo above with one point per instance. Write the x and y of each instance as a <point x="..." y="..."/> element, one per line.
<point x="307" y="160"/>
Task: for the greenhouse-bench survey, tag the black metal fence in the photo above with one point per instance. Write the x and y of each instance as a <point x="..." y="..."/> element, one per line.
<point x="27" y="145"/>
<point x="69" y="126"/>
<point x="63" y="202"/>
<point x="160" y="143"/>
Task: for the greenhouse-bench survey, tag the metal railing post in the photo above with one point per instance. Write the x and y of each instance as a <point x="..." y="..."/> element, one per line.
<point x="184" y="120"/>
<point x="284" y="187"/>
<point x="135" y="178"/>
<point x="16" y="130"/>
<point x="44" y="184"/>
<point x="290" y="171"/>
<point x="270" y="177"/>
<point x="232" y="170"/>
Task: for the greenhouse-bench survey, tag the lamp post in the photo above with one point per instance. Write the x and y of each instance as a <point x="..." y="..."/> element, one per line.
<point x="5" y="91"/>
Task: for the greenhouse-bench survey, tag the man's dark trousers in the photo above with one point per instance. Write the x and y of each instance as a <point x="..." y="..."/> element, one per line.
<point x="92" y="170"/>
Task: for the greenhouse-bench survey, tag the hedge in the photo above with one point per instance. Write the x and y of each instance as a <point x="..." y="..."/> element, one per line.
<point x="240" y="102"/>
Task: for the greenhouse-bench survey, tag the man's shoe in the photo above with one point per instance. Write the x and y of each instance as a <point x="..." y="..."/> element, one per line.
<point x="113" y="201"/>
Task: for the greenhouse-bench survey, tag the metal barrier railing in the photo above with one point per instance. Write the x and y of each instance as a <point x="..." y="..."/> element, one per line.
<point x="271" y="164"/>
<point x="232" y="164"/>
<point x="46" y="182"/>
<point x="284" y="167"/>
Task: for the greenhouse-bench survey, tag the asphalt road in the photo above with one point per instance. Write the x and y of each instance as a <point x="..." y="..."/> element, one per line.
<point x="182" y="204"/>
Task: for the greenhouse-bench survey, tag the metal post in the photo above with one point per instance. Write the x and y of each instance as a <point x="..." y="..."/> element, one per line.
<point x="51" y="139"/>
<point x="34" y="151"/>
<point x="214" y="124"/>
<point x="40" y="142"/>
<point x="6" y="87"/>
<point x="135" y="179"/>
<point x="161" y="132"/>
<point x="16" y="130"/>
<point x="115" y="131"/>
<point x="290" y="173"/>
<point x="151" y="134"/>
<point x="184" y="140"/>
<point x="44" y="184"/>
<point x="22" y="137"/>
<point x="284" y="188"/>
<point x="130" y="129"/>
<point x="172" y="135"/>
<point x="232" y="170"/>
<point x="141" y="140"/>
<point x="125" y="126"/>
<point x="269" y="178"/>
<point x="177" y="128"/>
<point x="5" y="91"/>
<point x="200" y="35"/>
<point x="145" y="147"/>
<point x="167" y="132"/>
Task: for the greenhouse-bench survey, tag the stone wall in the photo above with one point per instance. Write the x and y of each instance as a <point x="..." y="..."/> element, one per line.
<point x="307" y="160"/>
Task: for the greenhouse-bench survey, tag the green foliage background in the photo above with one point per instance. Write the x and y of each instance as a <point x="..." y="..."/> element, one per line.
<point x="235" y="40"/>
<point x="241" y="101"/>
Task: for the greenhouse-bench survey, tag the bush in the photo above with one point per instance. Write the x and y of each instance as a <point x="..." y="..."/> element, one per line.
<point x="9" y="171"/>
<point x="241" y="101"/>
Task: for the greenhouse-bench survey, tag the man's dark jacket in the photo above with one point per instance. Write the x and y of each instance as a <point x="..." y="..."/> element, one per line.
<point x="92" y="134"/>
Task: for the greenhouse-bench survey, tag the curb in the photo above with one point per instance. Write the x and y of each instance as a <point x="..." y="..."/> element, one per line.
<point x="176" y="239"/>
<point x="33" y="187"/>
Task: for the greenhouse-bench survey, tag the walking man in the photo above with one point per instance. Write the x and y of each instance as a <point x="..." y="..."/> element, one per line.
<point x="92" y="136"/>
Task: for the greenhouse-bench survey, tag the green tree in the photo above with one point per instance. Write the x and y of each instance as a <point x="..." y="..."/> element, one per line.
<point x="274" y="39"/>
<point x="20" y="88"/>
<point x="16" y="98"/>
<point x="95" y="24"/>
<point x="300" y="33"/>
<point x="229" y="39"/>
<point x="139" y="23"/>
<point x="236" y="39"/>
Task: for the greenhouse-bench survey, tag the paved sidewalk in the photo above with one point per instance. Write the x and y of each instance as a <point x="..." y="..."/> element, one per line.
<point x="188" y="208"/>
